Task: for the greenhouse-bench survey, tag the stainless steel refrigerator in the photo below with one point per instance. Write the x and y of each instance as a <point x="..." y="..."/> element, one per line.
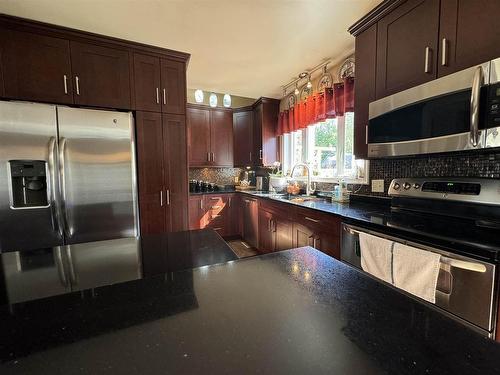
<point x="67" y="175"/>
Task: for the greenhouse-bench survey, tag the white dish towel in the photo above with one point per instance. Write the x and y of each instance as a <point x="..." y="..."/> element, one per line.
<point x="416" y="271"/>
<point x="376" y="256"/>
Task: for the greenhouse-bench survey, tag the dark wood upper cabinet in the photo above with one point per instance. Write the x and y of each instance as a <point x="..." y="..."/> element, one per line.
<point x="149" y="132"/>
<point x="364" y="93"/>
<point x="173" y="86"/>
<point x="221" y="137"/>
<point x="147" y="83"/>
<point x="175" y="172"/>
<point x="210" y="139"/>
<point x="407" y="46"/>
<point x="198" y="120"/>
<point x="469" y="34"/>
<point x="35" y="67"/>
<point x="101" y="75"/>
<point x="243" y="138"/>
<point x="265" y="143"/>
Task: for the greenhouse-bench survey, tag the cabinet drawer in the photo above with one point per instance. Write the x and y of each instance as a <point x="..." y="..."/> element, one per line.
<point x="277" y="208"/>
<point x="315" y="219"/>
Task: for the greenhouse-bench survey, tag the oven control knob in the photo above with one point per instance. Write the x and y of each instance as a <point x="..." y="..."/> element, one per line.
<point x="416" y="186"/>
<point x="396" y="186"/>
<point x="406" y="185"/>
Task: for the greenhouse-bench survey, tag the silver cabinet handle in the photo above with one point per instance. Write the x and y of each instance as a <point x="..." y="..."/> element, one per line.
<point x="311" y="219"/>
<point x="164" y="96"/>
<point x="314" y="242"/>
<point x="201" y="204"/>
<point x="229" y="202"/>
<point x="168" y="197"/>
<point x="477" y="81"/>
<point x="161" y="198"/>
<point x="208" y="156"/>
<point x="214" y="199"/>
<point x="213" y="156"/>
<point x="62" y="174"/>
<point x="250" y="156"/>
<point x="260" y="154"/>
<point x="269" y="225"/>
<point x="427" y="67"/>
<point x="77" y="82"/>
<point x="157" y="95"/>
<point x="65" y="79"/>
<point x="444" y="53"/>
<point x="366" y="134"/>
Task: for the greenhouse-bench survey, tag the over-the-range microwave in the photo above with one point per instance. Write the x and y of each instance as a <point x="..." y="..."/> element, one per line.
<point x="457" y="112"/>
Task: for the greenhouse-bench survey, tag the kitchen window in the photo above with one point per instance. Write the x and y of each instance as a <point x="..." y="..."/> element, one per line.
<point x="327" y="147"/>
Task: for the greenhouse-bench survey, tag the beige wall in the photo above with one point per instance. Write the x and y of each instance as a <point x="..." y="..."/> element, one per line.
<point x="333" y="70"/>
<point x="236" y="101"/>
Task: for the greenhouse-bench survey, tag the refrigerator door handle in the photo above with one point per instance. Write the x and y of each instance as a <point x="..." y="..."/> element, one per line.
<point x="62" y="175"/>
<point x="71" y="266"/>
<point x="60" y="266"/>
<point x="53" y="186"/>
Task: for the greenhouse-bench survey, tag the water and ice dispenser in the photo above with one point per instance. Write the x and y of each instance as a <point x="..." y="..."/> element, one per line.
<point x="28" y="183"/>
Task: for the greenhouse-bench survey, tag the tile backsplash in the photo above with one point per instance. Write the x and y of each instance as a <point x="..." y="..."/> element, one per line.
<point x="220" y="176"/>
<point x="466" y="164"/>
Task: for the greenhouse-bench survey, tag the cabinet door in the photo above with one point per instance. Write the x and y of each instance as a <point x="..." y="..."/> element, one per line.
<point x="283" y="231"/>
<point x="269" y="151"/>
<point x="257" y="152"/>
<point x="196" y="212"/>
<point x="266" y="232"/>
<point x="147" y="83"/>
<point x="175" y="175"/>
<point x="221" y="138"/>
<point x="150" y="172"/>
<point x="233" y="202"/>
<point x="364" y="93"/>
<point x="469" y="34"/>
<point x="198" y="120"/>
<point x="302" y="235"/>
<point x="35" y="67"/>
<point x="407" y="44"/>
<point x="251" y="221"/>
<point x="101" y="76"/>
<point x="243" y="138"/>
<point x="328" y="243"/>
<point x="173" y="87"/>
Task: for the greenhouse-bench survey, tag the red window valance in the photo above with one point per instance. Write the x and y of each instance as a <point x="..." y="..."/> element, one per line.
<point x="329" y="104"/>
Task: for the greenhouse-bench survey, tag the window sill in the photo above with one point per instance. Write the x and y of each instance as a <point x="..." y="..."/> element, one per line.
<point x="336" y="180"/>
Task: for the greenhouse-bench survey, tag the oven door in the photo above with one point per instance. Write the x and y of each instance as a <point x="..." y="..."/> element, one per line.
<point x="439" y="116"/>
<point x="465" y="286"/>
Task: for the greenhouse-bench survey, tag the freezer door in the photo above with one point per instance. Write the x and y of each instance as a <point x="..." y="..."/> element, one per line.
<point x="97" y="173"/>
<point x="101" y="263"/>
<point x="28" y="176"/>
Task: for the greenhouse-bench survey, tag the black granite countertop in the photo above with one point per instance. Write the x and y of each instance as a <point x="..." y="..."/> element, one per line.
<point x="297" y="311"/>
<point x="456" y="235"/>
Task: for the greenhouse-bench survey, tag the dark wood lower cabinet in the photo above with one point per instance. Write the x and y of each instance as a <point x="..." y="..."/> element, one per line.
<point x="216" y="211"/>
<point x="267" y="238"/>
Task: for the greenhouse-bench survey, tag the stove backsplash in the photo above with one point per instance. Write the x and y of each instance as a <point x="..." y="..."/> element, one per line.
<point x="467" y="164"/>
<point x="219" y="176"/>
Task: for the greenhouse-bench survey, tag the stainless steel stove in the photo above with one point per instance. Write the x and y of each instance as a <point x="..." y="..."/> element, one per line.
<point x="458" y="218"/>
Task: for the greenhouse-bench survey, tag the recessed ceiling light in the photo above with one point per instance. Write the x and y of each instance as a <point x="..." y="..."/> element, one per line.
<point x="213" y="100"/>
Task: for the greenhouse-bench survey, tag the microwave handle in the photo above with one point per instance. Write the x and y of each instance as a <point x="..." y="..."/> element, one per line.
<point x="477" y="81"/>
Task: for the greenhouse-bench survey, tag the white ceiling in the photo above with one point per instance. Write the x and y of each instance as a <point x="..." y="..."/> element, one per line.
<point x="243" y="47"/>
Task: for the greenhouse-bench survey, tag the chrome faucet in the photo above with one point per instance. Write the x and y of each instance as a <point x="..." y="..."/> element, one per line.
<point x="309" y="188"/>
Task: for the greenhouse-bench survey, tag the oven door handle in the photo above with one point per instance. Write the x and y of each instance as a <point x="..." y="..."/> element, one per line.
<point x="464" y="265"/>
<point x="456" y="263"/>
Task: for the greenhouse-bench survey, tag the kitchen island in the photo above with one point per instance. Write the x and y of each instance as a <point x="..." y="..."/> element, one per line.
<point x="294" y="311"/>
